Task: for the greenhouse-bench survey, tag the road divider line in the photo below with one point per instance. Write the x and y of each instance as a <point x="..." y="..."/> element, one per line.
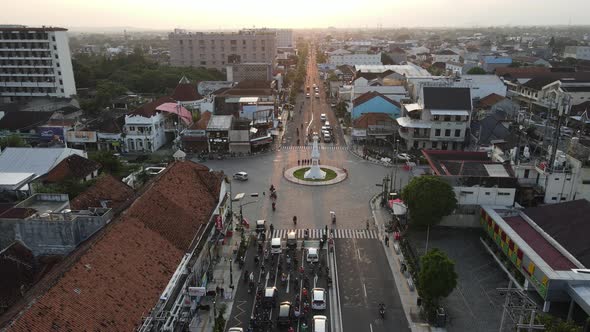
<point x="371" y="326"/>
<point x="359" y="253"/>
<point x="365" y="289"/>
<point x="336" y="289"/>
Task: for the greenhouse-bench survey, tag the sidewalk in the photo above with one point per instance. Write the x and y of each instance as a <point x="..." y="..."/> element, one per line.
<point x="408" y="297"/>
<point x="221" y="279"/>
<point x="357" y="150"/>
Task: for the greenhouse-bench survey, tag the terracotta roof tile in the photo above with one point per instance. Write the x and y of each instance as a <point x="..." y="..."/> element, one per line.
<point x="17" y="268"/>
<point x="185" y="91"/>
<point x="149" y="109"/>
<point x="74" y="166"/>
<point x="370" y="95"/>
<point x="203" y="121"/>
<point x="107" y="188"/>
<point x="371" y="119"/>
<point x="120" y="278"/>
<point x="490" y="100"/>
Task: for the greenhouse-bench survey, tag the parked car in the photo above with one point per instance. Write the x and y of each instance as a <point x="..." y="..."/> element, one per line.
<point x="235" y="329"/>
<point x="241" y="176"/>
<point x="404" y="156"/>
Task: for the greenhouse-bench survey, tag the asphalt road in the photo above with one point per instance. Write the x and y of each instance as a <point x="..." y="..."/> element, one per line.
<point x="312" y="206"/>
<point x="364" y="281"/>
<point x="246" y="305"/>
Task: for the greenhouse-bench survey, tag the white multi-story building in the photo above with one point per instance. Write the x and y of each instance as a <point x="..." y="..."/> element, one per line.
<point x="355" y="59"/>
<point x="35" y="62"/>
<point x="438" y="120"/>
<point x="220" y="49"/>
<point x="577" y="52"/>
<point x="445" y="56"/>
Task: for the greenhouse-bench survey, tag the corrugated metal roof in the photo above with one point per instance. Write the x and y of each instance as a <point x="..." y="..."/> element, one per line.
<point x="222" y="122"/>
<point x="34" y="160"/>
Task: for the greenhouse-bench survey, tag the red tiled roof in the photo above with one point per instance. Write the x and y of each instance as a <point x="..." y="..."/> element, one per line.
<point x="371" y="119"/>
<point x="555" y="259"/>
<point x="185" y="91"/>
<point x="370" y="95"/>
<point x="74" y="166"/>
<point x="17" y="268"/>
<point x="120" y="278"/>
<point x="490" y="100"/>
<point x="18" y="213"/>
<point x="523" y="72"/>
<point x="107" y="188"/>
<point x="149" y="109"/>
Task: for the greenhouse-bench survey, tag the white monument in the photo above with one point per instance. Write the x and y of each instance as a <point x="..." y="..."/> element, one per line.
<point x="315" y="172"/>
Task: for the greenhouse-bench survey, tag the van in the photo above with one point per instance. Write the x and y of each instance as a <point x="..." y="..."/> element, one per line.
<point x="318" y="299"/>
<point x="320" y="323"/>
<point x="275" y="245"/>
<point x="292" y="240"/>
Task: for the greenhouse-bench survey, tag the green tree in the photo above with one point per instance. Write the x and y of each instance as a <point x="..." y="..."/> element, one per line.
<point x="515" y="64"/>
<point x="110" y="163"/>
<point x="12" y="141"/>
<point x="554" y="324"/>
<point x="476" y="71"/>
<point x="429" y="198"/>
<point x="437" y="278"/>
<point x="70" y="186"/>
<point x="386" y="59"/>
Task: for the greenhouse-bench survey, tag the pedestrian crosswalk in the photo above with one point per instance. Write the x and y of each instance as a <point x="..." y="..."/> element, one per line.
<point x="308" y="147"/>
<point x="319" y="232"/>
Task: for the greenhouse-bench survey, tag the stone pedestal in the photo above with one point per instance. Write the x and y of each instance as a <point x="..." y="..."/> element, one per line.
<point x="315" y="172"/>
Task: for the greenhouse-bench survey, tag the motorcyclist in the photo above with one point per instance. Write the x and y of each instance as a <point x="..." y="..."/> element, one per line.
<point x="295" y="220"/>
<point x="274" y="206"/>
<point x="272" y="188"/>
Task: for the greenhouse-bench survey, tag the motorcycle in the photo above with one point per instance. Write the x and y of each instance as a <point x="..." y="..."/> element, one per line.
<point x="273" y="195"/>
<point x="333" y="216"/>
<point x="294" y="220"/>
<point x="382" y="310"/>
<point x="273" y="206"/>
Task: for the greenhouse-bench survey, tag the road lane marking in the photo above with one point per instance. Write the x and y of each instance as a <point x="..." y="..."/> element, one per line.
<point x="288" y="279"/>
<point x="359" y="253"/>
<point x="371" y="326"/>
<point x="365" y="289"/>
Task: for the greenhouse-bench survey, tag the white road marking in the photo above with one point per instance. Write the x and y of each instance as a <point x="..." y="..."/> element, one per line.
<point x="288" y="279"/>
<point x="359" y="253"/>
<point x="371" y="326"/>
<point x="365" y="289"/>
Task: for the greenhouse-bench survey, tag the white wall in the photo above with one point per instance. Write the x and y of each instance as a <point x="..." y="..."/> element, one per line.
<point x="484" y="196"/>
<point x="65" y="62"/>
<point x="156" y="136"/>
<point x="445" y="58"/>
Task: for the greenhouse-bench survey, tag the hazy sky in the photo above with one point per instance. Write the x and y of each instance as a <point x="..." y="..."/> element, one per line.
<point x="232" y="14"/>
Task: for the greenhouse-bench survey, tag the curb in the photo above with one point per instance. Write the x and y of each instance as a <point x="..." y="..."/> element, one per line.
<point x="376" y="162"/>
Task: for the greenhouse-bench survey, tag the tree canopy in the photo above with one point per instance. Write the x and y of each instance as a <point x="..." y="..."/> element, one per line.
<point x="429" y="199"/>
<point x="386" y="59"/>
<point x="437" y="277"/>
<point x="12" y="141"/>
<point x="476" y="71"/>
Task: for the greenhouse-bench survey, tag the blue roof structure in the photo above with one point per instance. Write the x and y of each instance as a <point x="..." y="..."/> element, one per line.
<point x="498" y="60"/>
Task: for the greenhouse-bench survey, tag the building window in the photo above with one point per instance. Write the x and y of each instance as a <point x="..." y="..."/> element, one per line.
<point x="553" y="198"/>
<point x="435" y="118"/>
<point x="457" y="132"/>
<point x="203" y="63"/>
<point x="527" y="173"/>
<point x="54" y="48"/>
<point x="434" y="145"/>
<point x="447" y="118"/>
<point x="457" y="118"/>
<point x="415" y="144"/>
<point x="488" y="193"/>
<point x="447" y="132"/>
<point x="131" y="128"/>
<point x="52" y="38"/>
<point x="437" y="132"/>
<point x="503" y="194"/>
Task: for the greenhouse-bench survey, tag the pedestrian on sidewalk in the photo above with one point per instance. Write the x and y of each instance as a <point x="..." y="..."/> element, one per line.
<point x="386" y="241"/>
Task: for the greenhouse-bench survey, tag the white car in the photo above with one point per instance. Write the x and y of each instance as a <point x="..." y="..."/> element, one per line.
<point x="242" y="176"/>
<point x="320" y="323"/>
<point x="323" y="117"/>
<point x="313" y="255"/>
<point x="404" y="156"/>
<point x="318" y="299"/>
<point x="307" y="95"/>
<point x="235" y="329"/>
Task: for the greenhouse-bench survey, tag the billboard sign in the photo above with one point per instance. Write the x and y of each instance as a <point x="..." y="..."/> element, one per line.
<point x="81" y="136"/>
<point x="48" y="134"/>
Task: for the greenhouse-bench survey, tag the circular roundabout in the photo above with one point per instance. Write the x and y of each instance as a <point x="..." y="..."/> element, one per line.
<point x="333" y="175"/>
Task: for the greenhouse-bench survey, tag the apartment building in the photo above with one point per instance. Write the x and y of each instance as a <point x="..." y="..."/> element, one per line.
<point x="577" y="52"/>
<point x="355" y="59"/>
<point x="438" y="120"/>
<point x="249" y="72"/>
<point x="220" y="49"/>
<point x="285" y="38"/>
<point x="35" y="62"/>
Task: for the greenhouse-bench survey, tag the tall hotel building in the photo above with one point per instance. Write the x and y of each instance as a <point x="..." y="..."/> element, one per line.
<point x="35" y="62"/>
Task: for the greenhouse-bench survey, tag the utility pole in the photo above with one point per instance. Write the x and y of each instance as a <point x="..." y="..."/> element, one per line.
<point x="565" y="104"/>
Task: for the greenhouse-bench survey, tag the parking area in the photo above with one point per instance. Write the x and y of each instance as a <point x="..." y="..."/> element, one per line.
<point x="475" y="305"/>
<point x="280" y="290"/>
